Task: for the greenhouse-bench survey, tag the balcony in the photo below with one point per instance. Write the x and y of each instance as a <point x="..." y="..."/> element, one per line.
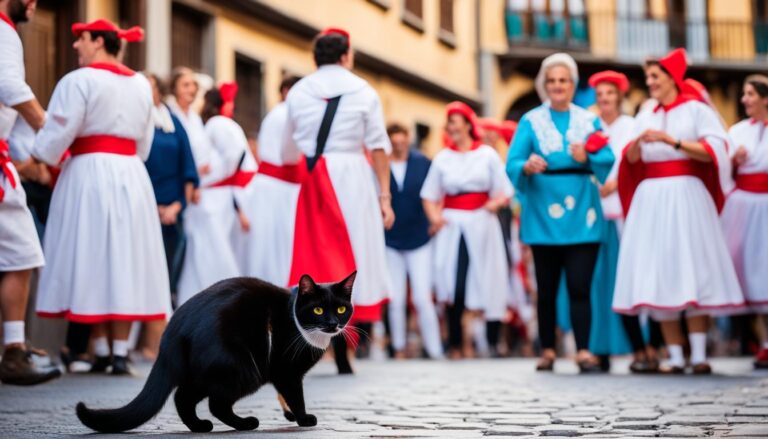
<point x="631" y="39"/>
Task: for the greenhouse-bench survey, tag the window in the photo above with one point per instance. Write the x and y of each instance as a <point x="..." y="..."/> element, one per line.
<point x="446" y="33"/>
<point x="187" y="28"/>
<point x="547" y="22"/>
<point x="761" y="26"/>
<point x="413" y="14"/>
<point x="248" y="103"/>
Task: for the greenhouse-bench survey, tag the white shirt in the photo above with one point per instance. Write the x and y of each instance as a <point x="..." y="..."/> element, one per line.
<point x="13" y="88"/>
<point x="271" y="134"/>
<point x="453" y="173"/>
<point x="754" y="138"/>
<point x="228" y="140"/>
<point x="198" y="139"/>
<point x="398" y="171"/>
<point x="91" y="101"/>
<point x="359" y="120"/>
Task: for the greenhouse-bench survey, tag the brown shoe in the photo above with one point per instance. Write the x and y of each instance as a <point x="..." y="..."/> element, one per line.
<point x="702" y="369"/>
<point x="545" y="364"/>
<point x="671" y="370"/>
<point x="17" y="368"/>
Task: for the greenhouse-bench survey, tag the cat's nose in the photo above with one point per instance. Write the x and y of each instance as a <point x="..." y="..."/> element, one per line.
<point x="333" y="327"/>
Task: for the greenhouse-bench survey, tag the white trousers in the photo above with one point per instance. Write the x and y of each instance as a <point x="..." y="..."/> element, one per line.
<point x="416" y="266"/>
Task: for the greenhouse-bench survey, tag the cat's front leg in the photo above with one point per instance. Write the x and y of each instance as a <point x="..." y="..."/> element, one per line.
<point x="293" y="393"/>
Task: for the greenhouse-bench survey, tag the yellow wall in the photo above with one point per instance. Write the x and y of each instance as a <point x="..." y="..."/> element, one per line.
<point x="507" y="91"/>
<point x="383" y="34"/>
<point x="602" y="26"/>
<point x="493" y="33"/>
<point x="279" y="51"/>
<point x="95" y="9"/>
<point x="731" y="32"/>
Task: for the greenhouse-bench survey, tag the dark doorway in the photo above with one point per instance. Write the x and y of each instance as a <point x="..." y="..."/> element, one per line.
<point x="134" y="13"/>
<point x="677" y="23"/>
<point x="187" y="28"/>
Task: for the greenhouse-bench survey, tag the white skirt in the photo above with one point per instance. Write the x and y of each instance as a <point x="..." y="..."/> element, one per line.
<point x="354" y="183"/>
<point x="103" y="244"/>
<point x="19" y="245"/>
<point x="209" y="256"/>
<point x="270" y="205"/>
<point x="745" y="223"/>
<point x="488" y="286"/>
<point x="673" y="255"/>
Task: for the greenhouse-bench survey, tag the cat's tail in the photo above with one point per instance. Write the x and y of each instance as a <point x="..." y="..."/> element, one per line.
<point x="143" y="408"/>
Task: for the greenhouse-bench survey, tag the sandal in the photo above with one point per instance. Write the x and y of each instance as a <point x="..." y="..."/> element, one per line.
<point x="644" y="366"/>
<point x="589" y="366"/>
<point x="702" y="369"/>
<point x="545" y="364"/>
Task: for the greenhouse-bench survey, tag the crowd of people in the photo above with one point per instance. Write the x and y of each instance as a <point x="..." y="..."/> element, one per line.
<point x="129" y="198"/>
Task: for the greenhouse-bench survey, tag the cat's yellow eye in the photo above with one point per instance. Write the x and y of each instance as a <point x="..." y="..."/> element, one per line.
<point x="318" y="310"/>
<point x="341" y="309"/>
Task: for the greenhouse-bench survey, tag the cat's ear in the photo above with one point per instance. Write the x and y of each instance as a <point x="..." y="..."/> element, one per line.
<point x="347" y="284"/>
<point x="306" y="285"/>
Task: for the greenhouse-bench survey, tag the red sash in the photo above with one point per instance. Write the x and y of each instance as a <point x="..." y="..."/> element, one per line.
<point x="240" y="179"/>
<point x="287" y="173"/>
<point x="752" y="182"/>
<point x="632" y="174"/>
<point x="103" y="143"/>
<point x="5" y="167"/>
<point x="466" y="201"/>
<point x="321" y="244"/>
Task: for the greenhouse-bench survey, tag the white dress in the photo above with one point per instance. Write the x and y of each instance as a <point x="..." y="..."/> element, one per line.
<point x="745" y="216"/>
<point x="19" y="245"/>
<point x="619" y="134"/>
<point x="673" y="255"/>
<point x="102" y="241"/>
<point x="209" y="225"/>
<point x="488" y="285"/>
<point x="358" y="126"/>
<point x="269" y="202"/>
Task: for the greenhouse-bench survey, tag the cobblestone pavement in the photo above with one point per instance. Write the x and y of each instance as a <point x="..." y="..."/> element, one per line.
<point x="468" y="399"/>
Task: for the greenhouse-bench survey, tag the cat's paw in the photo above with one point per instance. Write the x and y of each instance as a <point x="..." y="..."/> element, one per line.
<point x="249" y="423"/>
<point x="204" y="426"/>
<point x="289" y="416"/>
<point x="307" y="421"/>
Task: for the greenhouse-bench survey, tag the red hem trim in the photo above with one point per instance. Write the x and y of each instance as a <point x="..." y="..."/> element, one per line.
<point x="691" y="304"/>
<point x="367" y="313"/>
<point x="99" y="318"/>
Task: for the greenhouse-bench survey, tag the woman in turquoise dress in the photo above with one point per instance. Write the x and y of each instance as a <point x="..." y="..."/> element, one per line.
<point x="556" y="159"/>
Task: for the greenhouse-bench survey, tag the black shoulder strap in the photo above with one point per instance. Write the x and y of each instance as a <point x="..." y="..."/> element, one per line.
<point x="325" y="129"/>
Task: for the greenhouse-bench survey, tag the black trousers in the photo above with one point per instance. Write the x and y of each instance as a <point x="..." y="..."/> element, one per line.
<point x="634" y="333"/>
<point x="456" y="310"/>
<point x="173" y="241"/>
<point x="578" y="262"/>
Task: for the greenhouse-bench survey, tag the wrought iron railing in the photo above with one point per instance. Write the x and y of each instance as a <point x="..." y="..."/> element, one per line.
<point x="634" y="38"/>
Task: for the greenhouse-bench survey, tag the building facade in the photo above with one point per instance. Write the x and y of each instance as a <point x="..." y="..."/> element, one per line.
<point x="418" y="54"/>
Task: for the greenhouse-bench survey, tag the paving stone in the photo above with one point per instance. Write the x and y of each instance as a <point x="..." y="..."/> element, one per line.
<point x="692" y="420"/>
<point x="637" y="425"/>
<point x="746" y="419"/>
<point x="683" y="431"/>
<point x="752" y="411"/>
<point x="464" y="426"/>
<point x="509" y="430"/>
<point x="749" y="431"/>
<point x="525" y="421"/>
<point x="564" y="430"/>
<point x="638" y="416"/>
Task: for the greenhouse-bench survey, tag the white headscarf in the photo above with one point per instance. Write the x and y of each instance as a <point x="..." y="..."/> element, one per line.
<point x="556" y="59"/>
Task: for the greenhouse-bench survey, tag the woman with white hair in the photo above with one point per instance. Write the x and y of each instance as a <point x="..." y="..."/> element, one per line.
<point x="556" y="154"/>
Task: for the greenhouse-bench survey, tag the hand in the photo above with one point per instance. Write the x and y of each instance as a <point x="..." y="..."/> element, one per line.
<point x="245" y="224"/>
<point x="493" y="206"/>
<point x="578" y="152"/>
<point x="650" y="136"/>
<point x="436" y="224"/>
<point x="534" y="165"/>
<point x="204" y="170"/>
<point x="28" y="170"/>
<point x="741" y="156"/>
<point x="608" y="188"/>
<point x="387" y="214"/>
<point x="195" y="199"/>
<point x="170" y="213"/>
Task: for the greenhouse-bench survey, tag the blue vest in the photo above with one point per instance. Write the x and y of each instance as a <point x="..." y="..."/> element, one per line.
<point x="411" y="228"/>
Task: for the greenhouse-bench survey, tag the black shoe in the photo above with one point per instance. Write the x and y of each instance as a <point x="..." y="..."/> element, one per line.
<point x="101" y="364"/>
<point x="589" y="367"/>
<point x="605" y="362"/>
<point x="18" y="368"/>
<point x="120" y="366"/>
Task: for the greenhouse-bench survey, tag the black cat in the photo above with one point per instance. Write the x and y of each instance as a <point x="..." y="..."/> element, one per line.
<point x="227" y="342"/>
